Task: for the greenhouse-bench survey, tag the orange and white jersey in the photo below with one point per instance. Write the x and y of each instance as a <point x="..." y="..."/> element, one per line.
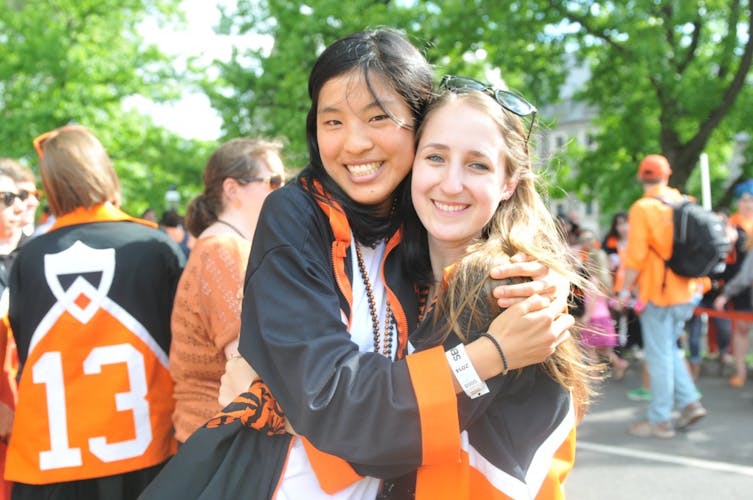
<point x="95" y="394"/>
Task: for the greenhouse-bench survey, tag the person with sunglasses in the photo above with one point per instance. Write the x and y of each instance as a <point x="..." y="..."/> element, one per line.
<point x="206" y="315"/>
<point x="13" y="210"/>
<point x="30" y="196"/>
<point x="328" y="307"/>
<point x="11" y="236"/>
<point x="89" y="308"/>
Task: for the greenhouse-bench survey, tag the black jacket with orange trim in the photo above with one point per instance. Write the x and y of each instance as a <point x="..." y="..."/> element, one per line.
<point x="379" y="415"/>
<point x="363" y="407"/>
<point x="386" y="418"/>
<point x="90" y="305"/>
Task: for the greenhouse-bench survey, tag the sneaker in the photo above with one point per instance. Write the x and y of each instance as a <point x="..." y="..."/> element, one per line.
<point x="646" y="429"/>
<point x="691" y="414"/>
<point x="736" y="381"/>
<point x="639" y="394"/>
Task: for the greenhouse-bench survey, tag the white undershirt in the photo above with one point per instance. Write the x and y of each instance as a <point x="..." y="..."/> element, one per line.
<point x="299" y="480"/>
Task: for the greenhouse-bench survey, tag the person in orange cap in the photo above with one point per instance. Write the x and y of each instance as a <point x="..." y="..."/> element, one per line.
<point x="669" y="300"/>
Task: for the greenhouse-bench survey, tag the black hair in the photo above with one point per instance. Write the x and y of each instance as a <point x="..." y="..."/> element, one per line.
<point x="171" y="218"/>
<point x="387" y="53"/>
<point x="414" y="247"/>
<point x="613" y="226"/>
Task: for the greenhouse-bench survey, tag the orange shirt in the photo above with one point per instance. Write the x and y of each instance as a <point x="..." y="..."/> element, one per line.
<point x="205" y="319"/>
<point x="650" y="244"/>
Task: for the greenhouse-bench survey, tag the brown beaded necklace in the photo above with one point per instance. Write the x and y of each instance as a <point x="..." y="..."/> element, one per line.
<point x="386" y="337"/>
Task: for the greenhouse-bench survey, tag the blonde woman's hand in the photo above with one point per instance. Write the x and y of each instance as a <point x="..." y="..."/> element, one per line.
<point x="530" y="330"/>
<point x="236" y="379"/>
<point x="544" y="281"/>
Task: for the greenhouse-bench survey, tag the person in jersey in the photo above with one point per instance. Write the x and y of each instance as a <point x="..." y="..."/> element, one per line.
<point x="328" y="308"/>
<point x="89" y="307"/>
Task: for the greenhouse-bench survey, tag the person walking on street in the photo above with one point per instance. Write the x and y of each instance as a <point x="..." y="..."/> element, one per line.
<point x="669" y="303"/>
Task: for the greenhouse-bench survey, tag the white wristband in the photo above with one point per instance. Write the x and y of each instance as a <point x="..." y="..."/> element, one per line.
<point x="465" y="373"/>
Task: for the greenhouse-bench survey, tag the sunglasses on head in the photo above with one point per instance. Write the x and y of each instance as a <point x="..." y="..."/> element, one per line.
<point x="40" y="140"/>
<point x="274" y="181"/>
<point x="508" y="100"/>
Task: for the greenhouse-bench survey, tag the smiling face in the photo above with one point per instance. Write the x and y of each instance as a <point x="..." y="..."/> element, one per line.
<point x="366" y="148"/>
<point x="459" y="174"/>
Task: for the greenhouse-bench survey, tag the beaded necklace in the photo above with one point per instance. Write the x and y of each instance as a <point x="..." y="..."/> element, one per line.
<point x="232" y="227"/>
<point x="386" y="337"/>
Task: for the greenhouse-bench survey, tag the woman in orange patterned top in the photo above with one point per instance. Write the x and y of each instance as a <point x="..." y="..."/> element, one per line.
<point x="206" y="314"/>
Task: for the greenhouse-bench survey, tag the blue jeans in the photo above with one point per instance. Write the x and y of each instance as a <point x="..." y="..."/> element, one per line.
<point x="670" y="380"/>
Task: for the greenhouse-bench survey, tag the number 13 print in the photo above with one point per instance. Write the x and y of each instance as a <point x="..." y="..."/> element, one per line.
<point x="48" y="370"/>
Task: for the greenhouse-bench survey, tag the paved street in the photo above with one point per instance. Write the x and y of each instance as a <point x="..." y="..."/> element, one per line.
<point x="713" y="460"/>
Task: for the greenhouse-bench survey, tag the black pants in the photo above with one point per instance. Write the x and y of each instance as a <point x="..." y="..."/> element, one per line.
<point x="126" y="486"/>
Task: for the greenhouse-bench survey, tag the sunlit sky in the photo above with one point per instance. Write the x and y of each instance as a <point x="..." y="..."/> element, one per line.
<point x="192" y="116"/>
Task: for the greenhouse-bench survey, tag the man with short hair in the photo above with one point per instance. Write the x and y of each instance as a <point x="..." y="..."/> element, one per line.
<point x="669" y="300"/>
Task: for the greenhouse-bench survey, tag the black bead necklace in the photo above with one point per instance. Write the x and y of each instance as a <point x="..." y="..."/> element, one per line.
<point x="386" y="337"/>
<point x="231" y="227"/>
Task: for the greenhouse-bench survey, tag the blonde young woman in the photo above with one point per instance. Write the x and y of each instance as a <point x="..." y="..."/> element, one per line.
<point x="474" y="191"/>
<point x="206" y="315"/>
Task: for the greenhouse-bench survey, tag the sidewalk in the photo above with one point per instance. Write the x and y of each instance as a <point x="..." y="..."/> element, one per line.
<point x="713" y="459"/>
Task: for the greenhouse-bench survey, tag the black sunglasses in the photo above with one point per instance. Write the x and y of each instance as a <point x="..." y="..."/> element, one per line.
<point x="508" y="100"/>
<point x="275" y="181"/>
<point x="9" y="198"/>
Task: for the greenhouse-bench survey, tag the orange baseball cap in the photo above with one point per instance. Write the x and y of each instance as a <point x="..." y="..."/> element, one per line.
<point x="654" y="167"/>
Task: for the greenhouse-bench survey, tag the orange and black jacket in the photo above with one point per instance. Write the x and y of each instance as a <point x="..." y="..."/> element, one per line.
<point x="517" y="441"/>
<point x="90" y="305"/>
<point x="294" y="332"/>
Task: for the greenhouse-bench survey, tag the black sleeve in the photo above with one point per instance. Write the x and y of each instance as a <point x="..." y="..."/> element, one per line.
<point x="355" y="405"/>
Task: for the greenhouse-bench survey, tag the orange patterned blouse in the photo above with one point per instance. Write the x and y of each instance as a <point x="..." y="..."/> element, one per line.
<point x="205" y="319"/>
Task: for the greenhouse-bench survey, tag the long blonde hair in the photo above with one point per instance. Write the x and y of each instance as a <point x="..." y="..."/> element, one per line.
<point x="521" y="224"/>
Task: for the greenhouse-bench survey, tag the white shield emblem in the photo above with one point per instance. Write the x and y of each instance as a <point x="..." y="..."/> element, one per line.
<point x="81" y="299"/>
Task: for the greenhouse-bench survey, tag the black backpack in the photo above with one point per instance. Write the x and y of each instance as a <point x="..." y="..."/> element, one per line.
<point x="699" y="242"/>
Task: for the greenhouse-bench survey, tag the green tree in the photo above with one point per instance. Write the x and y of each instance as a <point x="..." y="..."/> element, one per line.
<point x="669" y="77"/>
<point x="262" y="91"/>
<point x="63" y="62"/>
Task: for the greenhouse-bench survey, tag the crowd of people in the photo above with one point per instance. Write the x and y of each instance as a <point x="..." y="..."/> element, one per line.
<point x="658" y="318"/>
<point x="397" y="321"/>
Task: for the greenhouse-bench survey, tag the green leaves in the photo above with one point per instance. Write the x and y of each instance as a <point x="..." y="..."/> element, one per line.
<point x="65" y="62"/>
<point x="669" y="77"/>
